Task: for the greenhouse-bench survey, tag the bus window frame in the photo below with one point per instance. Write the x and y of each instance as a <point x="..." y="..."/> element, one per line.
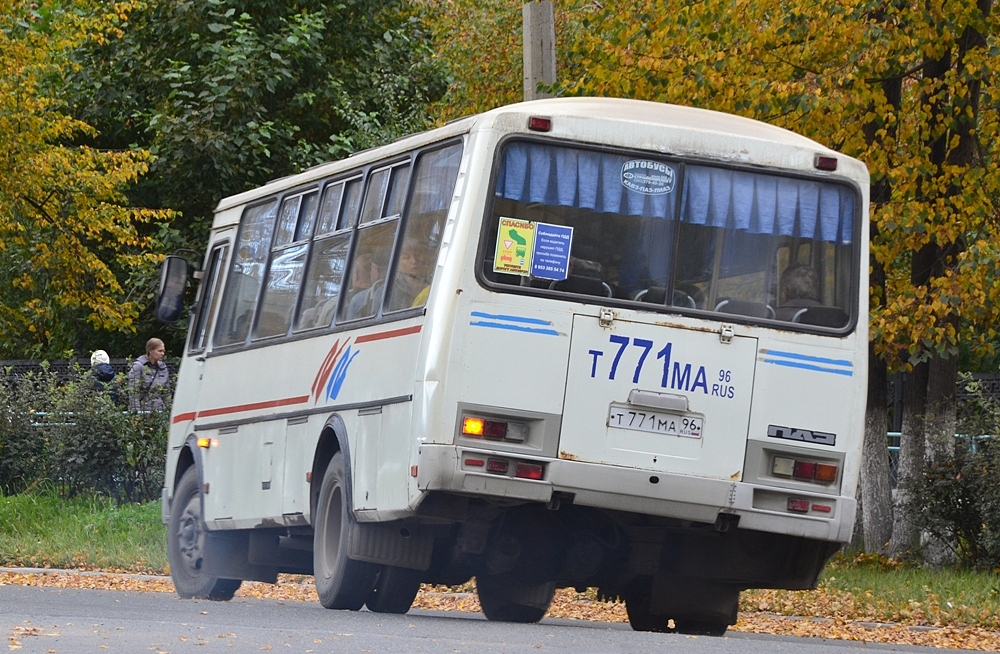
<point x="215" y="277"/>
<point x="339" y="228"/>
<point x="241" y="225"/>
<point x="483" y="252"/>
<point x="300" y="193"/>
<point x="401" y="230"/>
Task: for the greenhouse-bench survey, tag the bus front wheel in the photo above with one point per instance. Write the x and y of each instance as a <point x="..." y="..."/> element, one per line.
<point x="341" y="583"/>
<point x="186" y="549"/>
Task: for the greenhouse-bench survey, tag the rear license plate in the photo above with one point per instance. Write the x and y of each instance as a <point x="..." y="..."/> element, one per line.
<point x="671" y="424"/>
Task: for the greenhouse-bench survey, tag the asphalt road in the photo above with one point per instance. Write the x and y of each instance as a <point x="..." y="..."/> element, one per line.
<point x="65" y="621"/>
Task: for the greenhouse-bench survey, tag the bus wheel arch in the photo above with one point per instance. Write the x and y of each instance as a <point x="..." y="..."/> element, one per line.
<point x="188" y="457"/>
<point x="333" y="439"/>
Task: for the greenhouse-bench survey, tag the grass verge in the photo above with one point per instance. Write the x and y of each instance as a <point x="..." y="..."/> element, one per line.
<point x="867" y="588"/>
<point x="45" y="531"/>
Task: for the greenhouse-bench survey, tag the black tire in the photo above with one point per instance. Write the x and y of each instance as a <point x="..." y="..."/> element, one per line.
<point x="506" y="600"/>
<point x="640" y="615"/>
<point x="394" y="591"/>
<point x="186" y="538"/>
<point x="700" y="627"/>
<point x="341" y="583"/>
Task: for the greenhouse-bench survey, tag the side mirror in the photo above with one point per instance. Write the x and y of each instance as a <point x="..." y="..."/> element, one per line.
<point x="170" y="296"/>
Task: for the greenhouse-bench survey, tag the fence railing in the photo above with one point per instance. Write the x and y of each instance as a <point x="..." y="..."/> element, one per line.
<point x="974" y="443"/>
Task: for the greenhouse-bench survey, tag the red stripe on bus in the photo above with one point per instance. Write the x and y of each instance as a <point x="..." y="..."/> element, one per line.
<point x="184" y="417"/>
<point x="326" y="366"/>
<point x="253" y="407"/>
<point x="391" y="334"/>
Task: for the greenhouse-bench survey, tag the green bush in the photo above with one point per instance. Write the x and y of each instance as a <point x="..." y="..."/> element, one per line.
<point x="80" y="437"/>
<point x="958" y="501"/>
<point x="25" y="402"/>
<point x="958" y="498"/>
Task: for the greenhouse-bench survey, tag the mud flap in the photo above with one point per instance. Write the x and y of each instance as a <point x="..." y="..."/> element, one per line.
<point x="392" y="543"/>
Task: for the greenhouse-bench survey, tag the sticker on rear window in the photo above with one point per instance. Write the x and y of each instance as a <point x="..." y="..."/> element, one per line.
<point x="647" y="177"/>
<point x="533" y="249"/>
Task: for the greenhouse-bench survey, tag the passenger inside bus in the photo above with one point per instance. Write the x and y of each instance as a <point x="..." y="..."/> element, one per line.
<point x="414" y="271"/>
<point x="799" y="284"/>
<point x="367" y="282"/>
<point x="411" y="284"/>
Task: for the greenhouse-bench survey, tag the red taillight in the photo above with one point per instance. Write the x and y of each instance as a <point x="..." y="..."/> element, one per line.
<point x="499" y="466"/>
<point x="475" y="463"/>
<point x="825" y="163"/>
<point x="539" y="124"/>
<point x="798" y="506"/>
<point x="529" y="470"/>
<point x="822" y="508"/>
<point x="804" y="470"/>
<point x="494" y="429"/>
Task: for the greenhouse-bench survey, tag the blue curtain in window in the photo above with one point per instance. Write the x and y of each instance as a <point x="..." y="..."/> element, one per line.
<point x="561" y="176"/>
<point x="767" y="204"/>
<point x="755" y="202"/>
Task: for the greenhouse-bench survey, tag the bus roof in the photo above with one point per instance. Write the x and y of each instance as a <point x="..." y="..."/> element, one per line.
<point x="710" y="134"/>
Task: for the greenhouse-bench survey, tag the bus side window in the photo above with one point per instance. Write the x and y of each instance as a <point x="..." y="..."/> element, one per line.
<point x="325" y="272"/>
<point x="288" y="259"/>
<point x="209" y="299"/>
<point x="383" y="204"/>
<point x="434" y="185"/>
<point x="385" y="193"/>
<point x="246" y="273"/>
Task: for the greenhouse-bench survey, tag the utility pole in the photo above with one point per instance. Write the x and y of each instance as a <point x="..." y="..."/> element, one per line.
<point x="539" y="28"/>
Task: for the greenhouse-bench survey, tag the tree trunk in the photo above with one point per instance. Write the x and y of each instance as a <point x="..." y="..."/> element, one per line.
<point x="939" y="439"/>
<point x="905" y="534"/>
<point x="876" y="494"/>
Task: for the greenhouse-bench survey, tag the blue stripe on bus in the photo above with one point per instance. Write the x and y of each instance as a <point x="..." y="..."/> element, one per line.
<point x="516" y="328"/>
<point x="806" y="366"/>
<point x="805" y="357"/>
<point x="806" y="362"/>
<point x="530" y="321"/>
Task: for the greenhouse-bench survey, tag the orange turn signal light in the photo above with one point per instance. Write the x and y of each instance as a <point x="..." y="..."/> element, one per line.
<point x="473" y="426"/>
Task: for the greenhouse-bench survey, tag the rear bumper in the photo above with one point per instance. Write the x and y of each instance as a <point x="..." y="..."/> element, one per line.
<point x="761" y="508"/>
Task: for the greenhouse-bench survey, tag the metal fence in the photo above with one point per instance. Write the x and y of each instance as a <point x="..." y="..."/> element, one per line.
<point x="973" y="443"/>
<point x="62" y="368"/>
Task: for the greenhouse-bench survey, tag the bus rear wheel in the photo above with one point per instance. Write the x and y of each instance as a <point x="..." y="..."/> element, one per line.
<point x="640" y="613"/>
<point x="186" y="549"/>
<point x="394" y="591"/>
<point x="341" y="582"/>
<point x="700" y="627"/>
<point x="505" y="599"/>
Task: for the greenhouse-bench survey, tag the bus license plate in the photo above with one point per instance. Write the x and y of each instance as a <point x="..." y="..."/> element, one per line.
<point x="670" y="424"/>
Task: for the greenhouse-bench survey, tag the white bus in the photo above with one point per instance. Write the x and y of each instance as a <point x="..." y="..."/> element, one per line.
<point x="565" y="343"/>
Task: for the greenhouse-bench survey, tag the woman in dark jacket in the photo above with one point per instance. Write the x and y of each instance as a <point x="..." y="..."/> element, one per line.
<point x="147" y="379"/>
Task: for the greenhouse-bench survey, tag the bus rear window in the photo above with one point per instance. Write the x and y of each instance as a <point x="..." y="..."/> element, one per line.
<point x="640" y="228"/>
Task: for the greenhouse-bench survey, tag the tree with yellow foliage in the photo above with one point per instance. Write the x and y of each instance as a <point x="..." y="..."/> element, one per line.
<point x="909" y="88"/>
<point x="70" y="247"/>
